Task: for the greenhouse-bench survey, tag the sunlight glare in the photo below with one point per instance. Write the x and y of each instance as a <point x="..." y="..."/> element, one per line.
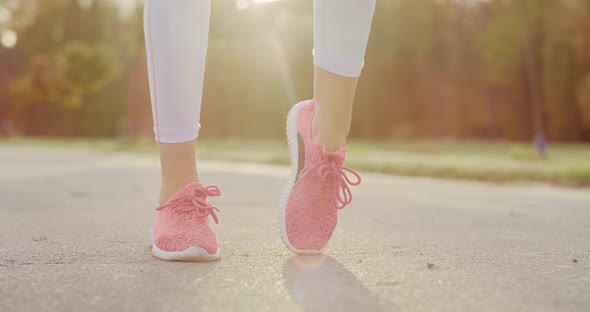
<point x="242" y="4"/>
<point x="5" y="15"/>
<point x="85" y="4"/>
<point x="245" y="4"/>
<point x="8" y="39"/>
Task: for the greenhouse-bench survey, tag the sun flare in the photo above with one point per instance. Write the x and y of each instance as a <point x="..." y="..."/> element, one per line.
<point x="245" y="4"/>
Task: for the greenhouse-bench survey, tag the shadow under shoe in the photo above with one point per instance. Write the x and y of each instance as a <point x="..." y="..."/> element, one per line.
<point x="320" y="283"/>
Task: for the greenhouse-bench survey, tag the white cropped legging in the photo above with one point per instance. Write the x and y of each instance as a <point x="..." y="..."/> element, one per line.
<point x="176" y="34"/>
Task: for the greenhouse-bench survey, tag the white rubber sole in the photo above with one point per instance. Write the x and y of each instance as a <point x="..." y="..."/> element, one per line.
<point x="293" y="143"/>
<point x="191" y="254"/>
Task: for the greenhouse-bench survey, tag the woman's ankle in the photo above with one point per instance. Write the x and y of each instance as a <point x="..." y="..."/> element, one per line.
<point x="179" y="167"/>
<point x="329" y="130"/>
<point x="171" y="185"/>
<point x="331" y="141"/>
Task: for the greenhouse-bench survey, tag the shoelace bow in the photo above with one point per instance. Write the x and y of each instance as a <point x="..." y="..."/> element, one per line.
<point x="200" y="205"/>
<point x="330" y="167"/>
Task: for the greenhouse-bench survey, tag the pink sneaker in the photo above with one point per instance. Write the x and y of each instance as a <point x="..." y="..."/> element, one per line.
<point x="317" y="189"/>
<point x="181" y="231"/>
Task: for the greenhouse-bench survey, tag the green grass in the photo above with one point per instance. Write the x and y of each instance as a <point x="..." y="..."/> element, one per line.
<point x="565" y="164"/>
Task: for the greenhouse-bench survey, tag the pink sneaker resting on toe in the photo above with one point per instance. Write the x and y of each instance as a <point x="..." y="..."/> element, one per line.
<point x="317" y="189"/>
<point x="181" y="231"/>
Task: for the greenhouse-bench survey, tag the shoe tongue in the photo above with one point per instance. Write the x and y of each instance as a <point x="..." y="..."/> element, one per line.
<point x="193" y="189"/>
<point x="338" y="156"/>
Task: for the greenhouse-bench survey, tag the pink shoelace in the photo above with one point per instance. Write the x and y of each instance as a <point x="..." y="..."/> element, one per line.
<point x="330" y="168"/>
<point x="199" y="204"/>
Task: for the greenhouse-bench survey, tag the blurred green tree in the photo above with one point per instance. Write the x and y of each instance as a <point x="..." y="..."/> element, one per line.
<point x="63" y="78"/>
<point x="90" y="49"/>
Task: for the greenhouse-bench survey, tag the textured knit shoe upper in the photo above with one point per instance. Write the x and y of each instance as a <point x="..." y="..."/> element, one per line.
<point x="182" y="222"/>
<point x="321" y="188"/>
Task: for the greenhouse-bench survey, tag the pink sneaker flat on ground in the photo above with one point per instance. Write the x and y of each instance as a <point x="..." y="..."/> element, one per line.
<point x="181" y="231"/>
<point x="317" y="189"/>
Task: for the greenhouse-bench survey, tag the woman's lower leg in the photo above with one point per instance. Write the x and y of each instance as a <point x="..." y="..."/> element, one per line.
<point x="341" y="32"/>
<point x="176" y="34"/>
<point x="334" y="96"/>
<point x="179" y="167"/>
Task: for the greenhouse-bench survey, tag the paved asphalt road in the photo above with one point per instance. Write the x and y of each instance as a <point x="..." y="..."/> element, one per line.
<point x="74" y="224"/>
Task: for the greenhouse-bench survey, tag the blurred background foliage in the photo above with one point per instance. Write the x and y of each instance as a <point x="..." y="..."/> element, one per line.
<point x="491" y="70"/>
